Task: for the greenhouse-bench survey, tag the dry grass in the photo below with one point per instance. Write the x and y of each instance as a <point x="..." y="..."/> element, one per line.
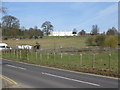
<point x="50" y="42"/>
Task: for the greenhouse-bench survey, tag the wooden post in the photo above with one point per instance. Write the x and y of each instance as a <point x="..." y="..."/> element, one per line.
<point x="36" y="57"/>
<point x="54" y="57"/>
<point x="47" y="56"/>
<point x="27" y="55"/>
<point x="20" y="54"/>
<point x="80" y="59"/>
<point x="14" y="53"/>
<point x="93" y="58"/>
<point x="109" y="60"/>
<point x="17" y="53"/>
<point x="41" y="57"/>
<point x="69" y="61"/>
<point x="61" y="55"/>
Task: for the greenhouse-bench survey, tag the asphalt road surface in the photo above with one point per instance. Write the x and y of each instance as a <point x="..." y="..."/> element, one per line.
<point x="30" y="76"/>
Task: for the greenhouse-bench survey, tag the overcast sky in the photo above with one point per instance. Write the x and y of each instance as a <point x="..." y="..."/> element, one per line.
<point x="66" y="15"/>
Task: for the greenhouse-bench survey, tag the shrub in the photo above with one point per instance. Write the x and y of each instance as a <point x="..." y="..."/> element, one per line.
<point x="111" y="41"/>
<point x="100" y="39"/>
<point x="90" y="41"/>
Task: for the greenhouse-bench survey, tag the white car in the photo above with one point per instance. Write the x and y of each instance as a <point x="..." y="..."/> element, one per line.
<point x="4" y="46"/>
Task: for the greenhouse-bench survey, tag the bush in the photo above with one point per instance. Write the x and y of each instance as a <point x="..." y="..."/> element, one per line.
<point x="111" y="41"/>
<point x="100" y="39"/>
<point x="90" y="41"/>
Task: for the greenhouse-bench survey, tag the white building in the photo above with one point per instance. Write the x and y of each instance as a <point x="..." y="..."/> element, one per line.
<point x="62" y="33"/>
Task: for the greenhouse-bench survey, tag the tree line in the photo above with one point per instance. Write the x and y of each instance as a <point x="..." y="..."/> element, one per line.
<point x="95" y="31"/>
<point x="11" y="29"/>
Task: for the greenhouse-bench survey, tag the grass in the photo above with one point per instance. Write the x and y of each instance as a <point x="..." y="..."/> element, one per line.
<point x="99" y="65"/>
<point x="100" y="60"/>
<point x="50" y="42"/>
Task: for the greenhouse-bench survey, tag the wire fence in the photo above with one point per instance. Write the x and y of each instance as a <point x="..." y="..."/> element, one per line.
<point x="103" y="63"/>
<point x="108" y="60"/>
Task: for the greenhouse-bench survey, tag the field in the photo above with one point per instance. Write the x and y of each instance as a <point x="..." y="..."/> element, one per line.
<point x="100" y="60"/>
<point x="50" y="42"/>
<point x="92" y="61"/>
<point x="100" y="63"/>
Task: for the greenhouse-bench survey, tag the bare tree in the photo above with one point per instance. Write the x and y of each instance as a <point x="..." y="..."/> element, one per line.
<point x="95" y="30"/>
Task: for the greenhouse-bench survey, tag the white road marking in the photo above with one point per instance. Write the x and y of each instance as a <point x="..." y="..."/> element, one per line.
<point x="70" y="79"/>
<point x="83" y="73"/>
<point x="16" y="67"/>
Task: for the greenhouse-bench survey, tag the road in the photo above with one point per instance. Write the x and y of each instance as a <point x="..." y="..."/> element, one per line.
<point x="30" y="76"/>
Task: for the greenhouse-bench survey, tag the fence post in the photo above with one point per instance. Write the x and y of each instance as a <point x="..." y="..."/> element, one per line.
<point x="41" y="57"/>
<point x="69" y="61"/>
<point x="10" y="52"/>
<point x="14" y="53"/>
<point x="93" y="59"/>
<point x="61" y="55"/>
<point x="109" y="60"/>
<point x="36" y="57"/>
<point x="48" y="58"/>
<point x="20" y="54"/>
<point x="80" y="59"/>
<point x="54" y="57"/>
<point x="17" y="53"/>
<point x="27" y="55"/>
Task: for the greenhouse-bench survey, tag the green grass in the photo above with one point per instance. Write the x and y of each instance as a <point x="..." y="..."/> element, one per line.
<point x="100" y="60"/>
<point x="69" y="60"/>
<point x="99" y="65"/>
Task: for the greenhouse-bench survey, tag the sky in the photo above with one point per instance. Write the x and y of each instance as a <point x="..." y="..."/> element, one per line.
<point x="65" y="16"/>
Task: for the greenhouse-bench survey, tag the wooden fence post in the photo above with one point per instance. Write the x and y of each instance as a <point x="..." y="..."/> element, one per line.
<point x="80" y="59"/>
<point x="36" y="57"/>
<point x="93" y="60"/>
<point x="109" y="60"/>
<point x="20" y="54"/>
<point x="41" y="57"/>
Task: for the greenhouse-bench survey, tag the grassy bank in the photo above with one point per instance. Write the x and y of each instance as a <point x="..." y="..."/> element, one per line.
<point x="50" y="42"/>
<point x="99" y="63"/>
